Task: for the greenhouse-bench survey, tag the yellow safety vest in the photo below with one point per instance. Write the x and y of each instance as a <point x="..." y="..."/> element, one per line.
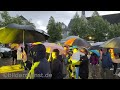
<point x="31" y="72"/>
<point x="112" y="54"/>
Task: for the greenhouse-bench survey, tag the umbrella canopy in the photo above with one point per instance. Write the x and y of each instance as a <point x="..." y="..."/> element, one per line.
<point x="70" y="37"/>
<point x="77" y="42"/>
<point x="112" y="43"/>
<point x="96" y="52"/>
<point x="96" y="46"/>
<point x="46" y="35"/>
<point x="51" y="46"/>
<point x="14" y="33"/>
<point x="70" y="41"/>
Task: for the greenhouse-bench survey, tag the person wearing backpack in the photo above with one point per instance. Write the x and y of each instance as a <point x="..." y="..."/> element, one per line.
<point x="106" y="64"/>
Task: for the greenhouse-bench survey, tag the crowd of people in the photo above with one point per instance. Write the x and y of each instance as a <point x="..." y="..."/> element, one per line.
<point x="74" y="63"/>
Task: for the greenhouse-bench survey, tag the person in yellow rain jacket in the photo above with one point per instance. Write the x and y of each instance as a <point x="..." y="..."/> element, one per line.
<point x="19" y="56"/>
<point x="74" y="59"/>
<point x="111" y="50"/>
<point x="41" y="67"/>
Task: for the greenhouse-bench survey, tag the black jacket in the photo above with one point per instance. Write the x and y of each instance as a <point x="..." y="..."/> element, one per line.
<point x="14" y="53"/>
<point x="43" y="70"/>
<point x="56" y="69"/>
<point x="84" y="69"/>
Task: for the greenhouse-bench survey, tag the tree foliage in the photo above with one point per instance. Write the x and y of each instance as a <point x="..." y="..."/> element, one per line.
<point x="99" y="28"/>
<point x="78" y="27"/>
<point x="54" y="30"/>
<point x="95" y="27"/>
<point x="74" y="25"/>
<point x="7" y="19"/>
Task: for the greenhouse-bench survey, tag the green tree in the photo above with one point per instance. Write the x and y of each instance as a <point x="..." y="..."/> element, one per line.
<point x="84" y="29"/>
<point x="99" y="28"/>
<point x="74" y="25"/>
<point x="7" y="19"/>
<point x="54" y="30"/>
<point x="58" y="28"/>
<point x="114" y="30"/>
<point x="79" y="27"/>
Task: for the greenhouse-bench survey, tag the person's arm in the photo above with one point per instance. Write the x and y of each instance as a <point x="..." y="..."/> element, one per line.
<point x="77" y="63"/>
<point x="110" y="59"/>
<point x="90" y="59"/>
<point x="60" y="67"/>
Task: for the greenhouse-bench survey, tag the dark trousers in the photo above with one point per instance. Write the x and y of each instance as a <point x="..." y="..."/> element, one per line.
<point x="115" y="68"/>
<point x="106" y="73"/>
<point x="84" y="75"/>
<point x="14" y="61"/>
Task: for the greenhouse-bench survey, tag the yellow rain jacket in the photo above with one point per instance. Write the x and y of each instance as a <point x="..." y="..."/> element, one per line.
<point x="31" y="72"/>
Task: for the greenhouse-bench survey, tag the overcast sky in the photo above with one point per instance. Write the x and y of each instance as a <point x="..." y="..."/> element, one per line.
<point x="41" y="18"/>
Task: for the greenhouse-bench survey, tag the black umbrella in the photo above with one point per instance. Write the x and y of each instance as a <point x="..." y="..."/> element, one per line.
<point x="97" y="47"/>
<point x="46" y="35"/>
<point x="14" y="33"/>
<point x="81" y="43"/>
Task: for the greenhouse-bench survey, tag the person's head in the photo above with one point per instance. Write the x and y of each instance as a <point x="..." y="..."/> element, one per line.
<point x="66" y="50"/>
<point x="105" y="50"/>
<point x="15" y="47"/>
<point x="40" y="52"/>
<point x="75" y="49"/>
<point x="55" y="54"/>
<point x="85" y="51"/>
<point x="111" y="50"/>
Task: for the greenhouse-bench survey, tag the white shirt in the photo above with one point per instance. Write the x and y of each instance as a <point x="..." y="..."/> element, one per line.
<point x="19" y="54"/>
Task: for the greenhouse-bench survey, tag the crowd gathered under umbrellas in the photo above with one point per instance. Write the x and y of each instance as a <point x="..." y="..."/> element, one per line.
<point x="75" y="59"/>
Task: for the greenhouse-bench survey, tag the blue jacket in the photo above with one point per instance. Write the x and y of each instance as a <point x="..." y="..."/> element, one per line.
<point x="106" y="60"/>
